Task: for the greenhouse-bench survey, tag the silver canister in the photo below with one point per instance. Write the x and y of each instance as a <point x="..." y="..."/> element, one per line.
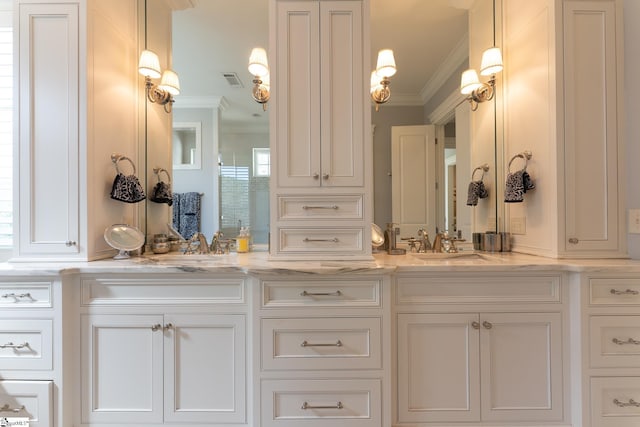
<point x="478" y="241"/>
<point x="492" y="242"/>
<point x="505" y="240"/>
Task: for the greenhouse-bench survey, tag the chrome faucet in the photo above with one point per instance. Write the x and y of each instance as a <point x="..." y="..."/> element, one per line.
<point x="423" y="240"/>
<point x="445" y="243"/>
<point x="219" y="246"/>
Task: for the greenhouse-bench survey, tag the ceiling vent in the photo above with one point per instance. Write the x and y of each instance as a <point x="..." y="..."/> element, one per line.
<point x="233" y="80"/>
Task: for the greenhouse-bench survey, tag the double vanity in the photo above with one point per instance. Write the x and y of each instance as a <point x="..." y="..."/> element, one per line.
<point x="421" y="339"/>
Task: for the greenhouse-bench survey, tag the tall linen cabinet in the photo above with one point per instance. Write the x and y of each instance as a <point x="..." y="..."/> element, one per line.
<point x="77" y="102"/>
<point x="321" y="180"/>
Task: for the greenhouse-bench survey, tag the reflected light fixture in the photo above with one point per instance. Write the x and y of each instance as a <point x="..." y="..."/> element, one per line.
<point x="259" y="69"/>
<point x="169" y="86"/>
<point x="385" y="68"/>
<point x="470" y="85"/>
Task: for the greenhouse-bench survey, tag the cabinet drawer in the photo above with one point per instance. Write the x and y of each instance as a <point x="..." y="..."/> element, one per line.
<point x="321" y="343"/>
<point x="31" y="399"/>
<point x="321" y="403"/>
<point x="26" y="294"/>
<point x="348" y="207"/>
<point x="26" y="344"/>
<point x="321" y="293"/>
<point x="615" y="291"/>
<point x="460" y="290"/>
<point x="320" y="240"/>
<point x="106" y="291"/>
<point x="615" y="341"/>
<point x="614" y="402"/>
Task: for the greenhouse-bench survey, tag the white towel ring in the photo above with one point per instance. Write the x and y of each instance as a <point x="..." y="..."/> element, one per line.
<point x="484" y="168"/>
<point x="525" y="155"/>
<point x="159" y="170"/>
<point x="116" y="158"/>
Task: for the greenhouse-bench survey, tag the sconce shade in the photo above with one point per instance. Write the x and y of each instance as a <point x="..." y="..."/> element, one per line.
<point x="491" y="61"/>
<point x="149" y="65"/>
<point x="258" y="65"/>
<point x="170" y="82"/>
<point x="266" y="81"/>
<point x="386" y="65"/>
<point x="375" y="81"/>
<point x="469" y="82"/>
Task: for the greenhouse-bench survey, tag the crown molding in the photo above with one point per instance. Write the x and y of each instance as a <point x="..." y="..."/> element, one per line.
<point x="450" y="64"/>
<point x="446" y="111"/>
<point x="219" y="102"/>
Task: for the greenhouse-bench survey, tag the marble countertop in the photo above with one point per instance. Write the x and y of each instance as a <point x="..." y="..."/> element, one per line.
<point x="258" y="263"/>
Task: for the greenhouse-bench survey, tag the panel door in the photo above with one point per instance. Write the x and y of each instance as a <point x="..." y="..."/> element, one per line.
<point x="521" y="367"/>
<point x="48" y="111"/>
<point x="205" y="363"/>
<point x="592" y="82"/>
<point x="122" y="360"/>
<point x="413" y="162"/>
<point x="438" y="368"/>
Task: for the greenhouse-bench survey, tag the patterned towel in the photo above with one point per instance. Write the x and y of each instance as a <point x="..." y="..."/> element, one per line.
<point x="186" y="213"/>
<point x="518" y="183"/>
<point x="476" y="191"/>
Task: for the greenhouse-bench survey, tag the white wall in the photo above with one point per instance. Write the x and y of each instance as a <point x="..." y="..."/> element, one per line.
<point x="632" y="109"/>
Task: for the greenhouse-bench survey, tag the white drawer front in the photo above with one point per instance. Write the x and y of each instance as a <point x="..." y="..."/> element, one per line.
<point x="615" y="341"/>
<point x="31" y="399"/>
<point x="321" y="293"/>
<point x="347" y="207"/>
<point x="614" y="402"/>
<point x="318" y="240"/>
<point x="25" y="294"/>
<point x="26" y="344"/>
<point x="615" y="291"/>
<point x="460" y="290"/>
<point x="320" y="403"/>
<point x="321" y="343"/>
<point x="106" y="291"/>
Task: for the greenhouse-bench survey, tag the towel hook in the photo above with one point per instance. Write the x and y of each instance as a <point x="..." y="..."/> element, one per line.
<point x="484" y="168"/>
<point x="525" y="155"/>
<point x="159" y="170"/>
<point x="115" y="158"/>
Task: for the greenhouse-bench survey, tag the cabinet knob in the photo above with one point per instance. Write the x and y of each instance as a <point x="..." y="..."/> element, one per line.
<point x="487" y="325"/>
<point x="69" y="243"/>
<point x="325" y="176"/>
<point x="168" y="327"/>
<point x="573" y="241"/>
<point x="316" y="175"/>
<point x="475" y="325"/>
<point x="156" y="327"/>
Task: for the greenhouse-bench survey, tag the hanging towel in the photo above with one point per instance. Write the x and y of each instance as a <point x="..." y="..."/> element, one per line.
<point x="518" y="183"/>
<point x="177" y="198"/>
<point x="476" y="191"/>
<point x="188" y="214"/>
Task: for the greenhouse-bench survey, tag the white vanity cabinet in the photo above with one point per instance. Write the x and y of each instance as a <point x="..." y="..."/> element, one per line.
<point x="320" y="129"/>
<point x="478" y="349"/>
<point x="324" y="351"/>
<point x="71" y="56"/>
<point x="161" y="350"/>
<point x="29" y="353"/>
<point x="611" y="354"/>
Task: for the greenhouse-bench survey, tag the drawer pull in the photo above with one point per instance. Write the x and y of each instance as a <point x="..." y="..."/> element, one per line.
<point x="338" y="405"/>
<point x="334" y="240"/>
<point x="7" y="408"/>
<point x="168" y="327"/>
<point x="156" y="327"/>
<point x="625" y="292"/>
<point x="321" y="294"/>
<point x="487" y="325"/>
<point x="305" y="207"/>
<point x="17" y="297"/>
<point x="15" y="346"/>
<point x="623" y="342"/>
<point x="308" y="344"/>
<point x="631" y="402"/>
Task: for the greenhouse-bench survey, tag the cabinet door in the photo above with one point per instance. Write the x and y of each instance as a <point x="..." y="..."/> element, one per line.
<point x="48" y="112"/>
<point x="122" y="368"/>
<point x="438" y="368"/>
<point x="297" y="104"/>
<point x="521" y="367"/>
<point x="592" y="81"/>
<point x="205" y="362"/>
<point x="342" y="94"/>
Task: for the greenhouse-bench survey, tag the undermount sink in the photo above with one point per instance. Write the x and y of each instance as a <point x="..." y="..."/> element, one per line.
<point x="448" y="257"/>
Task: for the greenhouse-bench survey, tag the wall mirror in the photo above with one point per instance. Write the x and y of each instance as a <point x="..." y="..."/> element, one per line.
<point x="211" y="44"/>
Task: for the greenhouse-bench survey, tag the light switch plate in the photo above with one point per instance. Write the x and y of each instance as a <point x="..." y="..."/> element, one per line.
<point x="634" y="221"/>
<point x="518" y="225"/>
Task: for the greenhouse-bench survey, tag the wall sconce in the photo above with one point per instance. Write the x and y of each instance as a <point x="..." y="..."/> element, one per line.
<point x="470" y="84"/>
<point x="259" y="69"/>
<point x="163" y="93"/>
<point x="385" y="68"/>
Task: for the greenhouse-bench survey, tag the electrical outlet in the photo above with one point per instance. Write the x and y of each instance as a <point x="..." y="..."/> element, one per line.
<point x="518" y="225"/>
<point x="634" y="221"/>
